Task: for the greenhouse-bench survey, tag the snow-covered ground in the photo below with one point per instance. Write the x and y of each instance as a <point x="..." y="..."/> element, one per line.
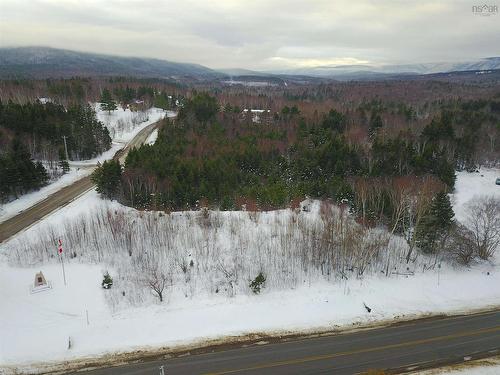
<point x="488" y="366"/>
<point x="36" y="327"/>
<point x="470" y="185"/>
<point x="52" y="317"/>
<point x="152" y="138"/>
<point x="123" y="126"/>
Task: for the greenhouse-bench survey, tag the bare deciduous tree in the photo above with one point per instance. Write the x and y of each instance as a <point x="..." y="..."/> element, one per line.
<point x="483" y="219"/>
<point x="157" y="279"/>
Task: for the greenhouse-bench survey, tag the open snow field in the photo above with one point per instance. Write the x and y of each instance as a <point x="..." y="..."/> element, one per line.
<point x="36" y="328"/>
<point x="488" y="366"/>
<point x="123" y="125"/>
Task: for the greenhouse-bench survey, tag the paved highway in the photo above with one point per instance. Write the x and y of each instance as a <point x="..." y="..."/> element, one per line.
<point x="65" y="195"/>
<point x="399" y="347"/>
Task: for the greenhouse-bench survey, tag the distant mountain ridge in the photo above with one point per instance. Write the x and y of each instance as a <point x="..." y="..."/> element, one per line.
<point x="44" y="62"/>
<point x="490" y="63"/>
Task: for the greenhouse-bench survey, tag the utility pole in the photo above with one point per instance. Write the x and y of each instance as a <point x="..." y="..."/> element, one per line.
<point x="439" y="269"/>
<point x="65" y="147"/>
<point x="289" y="178"/>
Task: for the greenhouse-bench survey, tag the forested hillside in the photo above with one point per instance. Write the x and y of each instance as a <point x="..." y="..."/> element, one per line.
<point x="222" y="159"/>
<point x="41" y="62"/>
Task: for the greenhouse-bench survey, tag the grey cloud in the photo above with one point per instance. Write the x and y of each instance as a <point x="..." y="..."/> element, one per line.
<point x="258" y="34"/>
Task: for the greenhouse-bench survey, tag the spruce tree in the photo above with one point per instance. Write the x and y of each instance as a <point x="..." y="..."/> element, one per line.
<point x="436" y="225"/>
<point x="107" y="178"/>
<point x="63" y="162"/>
<point x="107" y="102"/>
<point x="64" y="165"/>
<point x="442" y="210"/>
<point x="107" y="281"/>
<point x="375" y="124"/>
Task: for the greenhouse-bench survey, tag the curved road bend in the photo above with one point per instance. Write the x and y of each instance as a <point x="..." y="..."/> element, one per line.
<point x="430" y="342"/>
<point x="65" y="195"/>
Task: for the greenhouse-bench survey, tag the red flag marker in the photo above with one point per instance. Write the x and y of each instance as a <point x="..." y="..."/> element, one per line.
<point x="62" y="261"/>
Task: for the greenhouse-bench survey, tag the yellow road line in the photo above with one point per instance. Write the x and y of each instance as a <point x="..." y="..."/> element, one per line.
<point x="359" y="351"/>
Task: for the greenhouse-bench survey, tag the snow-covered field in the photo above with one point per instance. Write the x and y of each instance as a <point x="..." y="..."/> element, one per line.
<point x="123" y="126"/>
<point x="36" y="327"/>
<point x="488" y="366"/>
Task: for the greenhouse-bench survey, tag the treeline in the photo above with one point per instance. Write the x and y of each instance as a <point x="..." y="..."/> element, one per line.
<point x="466" y="134"/>
<point x="82" y="90"/>
<point x="42" y="127"/>
<point x="19" y="174"/>
<point x="157" y="98"/>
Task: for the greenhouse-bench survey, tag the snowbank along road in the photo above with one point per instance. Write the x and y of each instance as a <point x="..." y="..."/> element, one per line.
<point x="397" y="349"/>
<point x="62" y="197"/>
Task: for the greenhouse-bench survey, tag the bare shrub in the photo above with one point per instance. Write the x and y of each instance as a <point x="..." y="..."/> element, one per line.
<point x="460" y="245"/>
<point x="483" y="220"/>
<point x="157" y="279"/>
<point x="148" y="252"/>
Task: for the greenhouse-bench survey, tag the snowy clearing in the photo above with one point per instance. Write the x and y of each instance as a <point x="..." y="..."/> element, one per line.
<point x="470" y="185"/>
<point x="208" y="298"/>
<point x="123" y="125"/>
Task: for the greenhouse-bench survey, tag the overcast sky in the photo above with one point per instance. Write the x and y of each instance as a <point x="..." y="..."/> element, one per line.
<point x="257" y="34"/>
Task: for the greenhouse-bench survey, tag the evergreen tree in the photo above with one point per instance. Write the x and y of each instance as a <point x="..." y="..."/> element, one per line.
<point x="436" y="225"/>
<point x="443" y="210"/>
<point x="107" y="281"/>
<point x="63" y="163"/>
<point x="203" y="106"/>
<point x="107" y="102"/>
<point x="19" y="173"/>
<point x="258" y="283"/>
<point x="375" y="124"/>
<point x="334" y="121"/>
<point x="41" y="176"/>
<point x="107" y="178"/>
<point x="162" y="101"/>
